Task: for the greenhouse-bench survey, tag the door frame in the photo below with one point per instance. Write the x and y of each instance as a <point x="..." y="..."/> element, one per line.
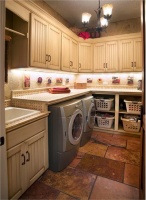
<point x="3" y="155"/>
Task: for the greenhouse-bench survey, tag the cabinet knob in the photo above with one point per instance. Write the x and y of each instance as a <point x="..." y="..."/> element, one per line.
<point x="131" y="64"/>
<point x="134" y="64"/>
<point x="79" y="65"/>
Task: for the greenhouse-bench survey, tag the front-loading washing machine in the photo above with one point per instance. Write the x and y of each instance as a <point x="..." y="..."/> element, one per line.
<point x="89" y="112"/>
<point x="65" y="128"/>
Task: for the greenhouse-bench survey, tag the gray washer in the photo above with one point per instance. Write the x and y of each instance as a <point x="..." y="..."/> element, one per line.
<point x="65" y="128"/>
<point x="89" y="112"/>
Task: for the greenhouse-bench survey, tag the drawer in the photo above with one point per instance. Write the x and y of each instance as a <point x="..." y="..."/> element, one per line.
<point x="19" y="135"/>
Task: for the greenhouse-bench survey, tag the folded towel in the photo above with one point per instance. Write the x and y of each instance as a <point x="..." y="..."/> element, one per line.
<point x="58" y="90"/>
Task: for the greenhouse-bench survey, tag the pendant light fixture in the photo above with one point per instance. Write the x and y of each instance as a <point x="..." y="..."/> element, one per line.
<point x="102" y="22"/>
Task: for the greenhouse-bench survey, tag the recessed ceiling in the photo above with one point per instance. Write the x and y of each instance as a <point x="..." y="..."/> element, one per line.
<point x="72" y="11"/>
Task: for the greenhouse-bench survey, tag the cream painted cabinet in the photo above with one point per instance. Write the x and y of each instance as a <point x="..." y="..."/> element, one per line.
<point x="130" y="55"/>
<point x="54" y="48"/>
<point x="85" y="57"/>
<point x="27" y="160"/>
<point x="45" y="44"/>
<point x="106" y="57"/>
<point x="69" y="54"/>
<point x="38" y="42"/>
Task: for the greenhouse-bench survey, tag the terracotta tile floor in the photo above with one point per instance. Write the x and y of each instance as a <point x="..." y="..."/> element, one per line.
<point x="107" y="167"/>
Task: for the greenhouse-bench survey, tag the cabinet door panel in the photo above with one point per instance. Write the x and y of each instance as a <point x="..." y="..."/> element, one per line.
<point x="74" y="56"/>
<point x="99" y="57"/>
<point x="85" y="57"/>
<point x="39" y="42"/>
<point x="126" y="55"/>
<point x="138" y="54"/>
<point x="54" y="47"/>
<point x="35" y="157"/>
<point x="66" y="52"/>
<point x="16" y="169"/>
<point x="112" y="56"/>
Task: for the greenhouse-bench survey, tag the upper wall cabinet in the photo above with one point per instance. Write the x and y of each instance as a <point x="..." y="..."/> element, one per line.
<point x="54" y="47"/>
<point x="16" y="36"/>
<point x="45" y="44"/>
<point x="85" y="57"/>
<point x="69" y="54"/>
<point x="106" y="57"/>
<point x="38" y="42"/>
<point x="130" y="55"/>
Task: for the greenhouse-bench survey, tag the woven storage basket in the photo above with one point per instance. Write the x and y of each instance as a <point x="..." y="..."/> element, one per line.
<point x="133" y="106"/>
<point x="104" y="104"/>
<point x="105" y="122"/>
<point x="131" y="125"/>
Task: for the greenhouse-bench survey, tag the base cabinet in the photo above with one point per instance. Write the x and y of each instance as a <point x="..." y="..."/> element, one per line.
<point x="26" y="162"/>
<point x="118" y="111"/>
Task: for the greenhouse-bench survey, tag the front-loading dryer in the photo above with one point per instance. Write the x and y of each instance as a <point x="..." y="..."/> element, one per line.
<point x="65" y="128"/>
<point x="89" y="112"/>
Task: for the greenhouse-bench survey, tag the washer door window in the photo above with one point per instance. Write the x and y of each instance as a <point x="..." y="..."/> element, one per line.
<point x="91" y="115"/>
<point x="75" y="127"/>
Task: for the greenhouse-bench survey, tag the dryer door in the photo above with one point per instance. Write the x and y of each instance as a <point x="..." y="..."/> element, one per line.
<point x="91" y="115"/>
<point x="75" y="128"/>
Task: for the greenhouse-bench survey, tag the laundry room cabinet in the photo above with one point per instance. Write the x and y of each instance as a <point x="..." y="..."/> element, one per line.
<point x="27" y="155"/>
<point x="130" y="55"/>
<point x="105" y="111"/>
<point x="106" y="56"/>
<point x="69" y="54"/>
<point x="16" y="36"/>
<point x="129" y="107"/>
<point x="85" y="57"/>
<point x="118" y="110"/>
<point x="45" y="44"/>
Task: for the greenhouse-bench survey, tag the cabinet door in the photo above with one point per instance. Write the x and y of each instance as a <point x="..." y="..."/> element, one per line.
<point x="138" y="54"/>
<point x="85" y="57"/>
<point x="112" y="56"/>
<point x="54" y="48"/>
<point x="99" y="57"/>
<point x="35" y="157"/>
<point x="38" y="42"/>
<point x="16" y="171"/>
<point x="126" y="55"/>
<point x="74" y="56"/>
<point x="66" y="62"/>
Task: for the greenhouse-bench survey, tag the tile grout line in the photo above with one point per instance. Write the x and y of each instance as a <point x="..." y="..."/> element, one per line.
<point x="92" y="187"/>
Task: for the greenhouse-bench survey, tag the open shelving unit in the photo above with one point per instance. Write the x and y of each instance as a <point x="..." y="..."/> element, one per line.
<point x="118" y="110"/>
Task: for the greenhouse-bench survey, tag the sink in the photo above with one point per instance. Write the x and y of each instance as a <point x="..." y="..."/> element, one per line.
<point x="12" y="114"/>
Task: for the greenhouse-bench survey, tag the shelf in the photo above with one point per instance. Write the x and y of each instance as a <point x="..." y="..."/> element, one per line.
<point x="13" y="31"/>
<point x="110" y="111"/>
<point x="125" y="112"/>
<point x="103" y="128"/>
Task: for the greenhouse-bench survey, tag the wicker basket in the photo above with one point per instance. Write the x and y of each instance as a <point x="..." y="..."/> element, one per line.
<point x="104" y="104"/>
<point x="105" y="122"/>
<point x="131" y="125"/>
<point x="133" y="106"/>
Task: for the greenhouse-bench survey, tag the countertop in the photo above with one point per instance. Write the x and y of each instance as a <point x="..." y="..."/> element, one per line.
<point x="49" y="98"/>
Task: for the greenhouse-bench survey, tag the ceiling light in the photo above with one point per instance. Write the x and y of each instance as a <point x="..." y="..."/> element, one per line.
<point x="102" y="22"/>
<point x="85" y="18"/>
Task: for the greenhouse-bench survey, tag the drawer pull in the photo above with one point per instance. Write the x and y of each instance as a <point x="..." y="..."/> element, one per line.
<point x="23" y="163"/>
<point x="28" y="158"/>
